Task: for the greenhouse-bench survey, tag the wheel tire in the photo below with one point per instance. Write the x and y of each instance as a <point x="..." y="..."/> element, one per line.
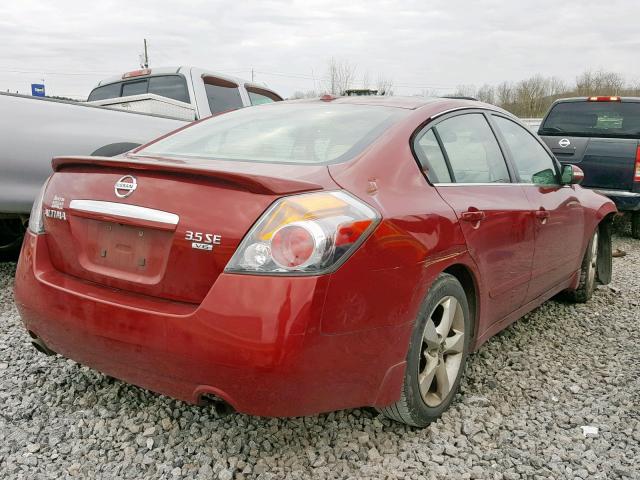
<point x="419" y="407"/>
<point x="588" y="272"/>
<point x="635" y="225"/>
<point x="11" y="234"/>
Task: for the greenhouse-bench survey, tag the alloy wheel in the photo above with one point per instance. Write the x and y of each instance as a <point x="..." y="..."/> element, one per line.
<point x="442" y="351"/>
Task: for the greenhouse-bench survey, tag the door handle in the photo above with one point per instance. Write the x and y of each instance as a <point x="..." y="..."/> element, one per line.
<point x="472" y="216"/>
<point x="542" y="215"/>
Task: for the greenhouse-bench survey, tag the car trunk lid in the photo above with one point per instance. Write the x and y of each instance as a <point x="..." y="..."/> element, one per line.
<point x="160" y="227"/>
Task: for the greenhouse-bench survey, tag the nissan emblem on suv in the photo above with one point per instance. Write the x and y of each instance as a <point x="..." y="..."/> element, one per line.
<point x="125" y="186"/>
<point x="564" y="142"/>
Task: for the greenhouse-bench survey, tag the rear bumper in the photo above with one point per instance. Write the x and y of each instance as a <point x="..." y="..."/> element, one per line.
<point x="254" y="341"/>
<point x="625" y="201"/>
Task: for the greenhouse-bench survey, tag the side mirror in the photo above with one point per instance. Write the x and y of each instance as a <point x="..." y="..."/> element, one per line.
<point x="572" y="175"/>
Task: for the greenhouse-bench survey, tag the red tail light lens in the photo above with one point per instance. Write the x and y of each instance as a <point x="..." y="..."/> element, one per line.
<point x="636" y="175"/>
<point x="310" y="233"/>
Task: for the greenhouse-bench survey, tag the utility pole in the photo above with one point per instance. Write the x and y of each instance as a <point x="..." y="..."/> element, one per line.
<point x="146" y="55"/>
<point x="252" y="75"/>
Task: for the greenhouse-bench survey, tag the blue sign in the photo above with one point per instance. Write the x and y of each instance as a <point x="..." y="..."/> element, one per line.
<point x="37" y="90"/>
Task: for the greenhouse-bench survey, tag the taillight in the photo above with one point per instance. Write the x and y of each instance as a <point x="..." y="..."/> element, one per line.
<point x="136" y="73"/>
<point x="604" y="99"/>
<point x="310" y="233"/>
<point x="36" y="224"/>
<point x="636" y="175"/>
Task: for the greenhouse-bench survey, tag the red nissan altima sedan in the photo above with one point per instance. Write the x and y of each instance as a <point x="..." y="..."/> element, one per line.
<point x="308" y="256"/>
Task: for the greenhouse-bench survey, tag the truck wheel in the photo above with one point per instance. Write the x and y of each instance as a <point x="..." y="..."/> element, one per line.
<point x="11" y="233"/>
<point x="635" y="225"/>
<point x="588" y="272"/>
<point x="437" y="355"/>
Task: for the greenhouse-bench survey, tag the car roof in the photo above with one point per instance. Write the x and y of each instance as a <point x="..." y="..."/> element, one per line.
<point x="409" y="103"/>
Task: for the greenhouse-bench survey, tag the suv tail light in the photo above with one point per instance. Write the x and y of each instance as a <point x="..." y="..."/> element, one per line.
<point x="636" y="175"/>
<point x="308" y="234"/>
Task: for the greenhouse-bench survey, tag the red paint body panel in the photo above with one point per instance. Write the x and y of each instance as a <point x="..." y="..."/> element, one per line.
<point x="254" y="341"/>
<point x="276" y="344"/>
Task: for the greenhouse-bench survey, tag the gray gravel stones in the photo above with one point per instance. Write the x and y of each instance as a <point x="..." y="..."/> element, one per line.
<point x="526" y="395"/>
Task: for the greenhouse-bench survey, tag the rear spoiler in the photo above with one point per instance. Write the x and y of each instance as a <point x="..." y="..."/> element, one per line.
<point x="252" y="182"/>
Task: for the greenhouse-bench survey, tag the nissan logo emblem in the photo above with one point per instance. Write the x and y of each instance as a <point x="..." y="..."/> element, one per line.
<point x="564" y="142"/>
<point x="125" y="186"/>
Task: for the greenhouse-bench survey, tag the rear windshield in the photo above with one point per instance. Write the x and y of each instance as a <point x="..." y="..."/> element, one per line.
<point x="593" y="119"/>
<point x="281" y="133"/>
<point x="170" y="86"/>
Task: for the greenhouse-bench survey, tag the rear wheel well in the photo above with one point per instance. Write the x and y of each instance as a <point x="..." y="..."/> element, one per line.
<point x="467" y="280"/>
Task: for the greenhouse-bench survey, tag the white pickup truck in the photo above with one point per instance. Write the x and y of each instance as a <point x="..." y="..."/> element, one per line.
<point x="121" y="113"/>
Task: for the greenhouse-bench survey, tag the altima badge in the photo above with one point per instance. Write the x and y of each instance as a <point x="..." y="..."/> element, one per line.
<point x="125" y="186"/>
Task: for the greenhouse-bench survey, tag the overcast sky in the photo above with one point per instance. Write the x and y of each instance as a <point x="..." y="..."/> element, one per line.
<point x="419" y="45"/>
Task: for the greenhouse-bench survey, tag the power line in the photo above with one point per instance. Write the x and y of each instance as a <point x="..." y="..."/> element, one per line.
<point x="40" y="72"/>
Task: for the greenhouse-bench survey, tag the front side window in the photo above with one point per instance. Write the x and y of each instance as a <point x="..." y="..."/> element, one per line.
<point x="281" y="133"/>
<point x="472" y="150"/>
<point x="260" y="96"/>
<point x="532" y="162"/>
<point x="432" y="161"/>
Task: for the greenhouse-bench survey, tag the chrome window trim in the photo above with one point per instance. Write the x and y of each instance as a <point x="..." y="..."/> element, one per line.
<point x="125" y="210"/>
<point x="496" y="184"/>
<point x="484" y="184"/>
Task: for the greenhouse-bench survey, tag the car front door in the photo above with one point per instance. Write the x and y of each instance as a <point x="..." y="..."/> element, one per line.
<point x="463" y="160"/>
<point x="559" y="215"/>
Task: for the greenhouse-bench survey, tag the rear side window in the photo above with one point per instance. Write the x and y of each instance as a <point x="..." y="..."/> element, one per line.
<point x="472" y="150"/>
<point x="593" y="119"/>
<point x="431" y="158"/>
<point x="222" y="95"/>
<point x="532" y="162"/>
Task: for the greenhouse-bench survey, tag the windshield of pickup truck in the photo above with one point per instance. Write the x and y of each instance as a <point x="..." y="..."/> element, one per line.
<point x="593" y="119"/>
<point x="309" y="133"/>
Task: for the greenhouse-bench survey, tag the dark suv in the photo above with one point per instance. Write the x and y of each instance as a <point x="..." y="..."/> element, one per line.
<point x="602" y="136"/>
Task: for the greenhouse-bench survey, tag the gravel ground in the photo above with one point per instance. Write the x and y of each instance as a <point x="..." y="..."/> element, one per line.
<point x="519" y="415"/>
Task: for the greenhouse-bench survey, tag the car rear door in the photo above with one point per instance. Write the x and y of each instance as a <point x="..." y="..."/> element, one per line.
<point x="462" y="158"/>
<point x="559" y="215"/>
